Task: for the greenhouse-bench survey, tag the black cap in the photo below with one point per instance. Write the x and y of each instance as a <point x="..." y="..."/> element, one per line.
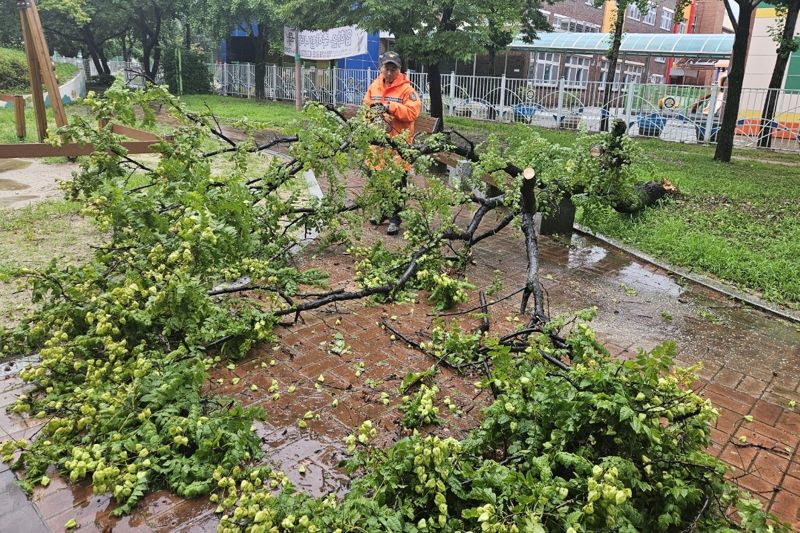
<point x="391" y="57"/>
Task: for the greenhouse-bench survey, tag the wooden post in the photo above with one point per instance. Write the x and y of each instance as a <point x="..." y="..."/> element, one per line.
<point x="36" y="50"/>
<point x="46" y="66"/>
<point x="19" y="116"/>
<point x="36" y="80"/>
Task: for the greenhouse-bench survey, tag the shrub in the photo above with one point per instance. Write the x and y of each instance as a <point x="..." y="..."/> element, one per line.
<point x="194" y="71"/>
<point x="13" y="70"/>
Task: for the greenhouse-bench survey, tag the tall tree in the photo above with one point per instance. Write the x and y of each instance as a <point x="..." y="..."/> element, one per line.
<point x="85" y="24"/>
<point x="149" y="17"/>
<point x="741" y="39"/>
<point x="783" y="34"/>
<point x="260" y="20"/>
<point x="10" y="29"/>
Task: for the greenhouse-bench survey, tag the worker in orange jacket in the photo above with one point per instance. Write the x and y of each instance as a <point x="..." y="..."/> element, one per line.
<point x="392" y="96"/>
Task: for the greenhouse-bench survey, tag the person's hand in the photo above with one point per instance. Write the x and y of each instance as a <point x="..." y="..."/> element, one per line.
<point x="378" y="109"/>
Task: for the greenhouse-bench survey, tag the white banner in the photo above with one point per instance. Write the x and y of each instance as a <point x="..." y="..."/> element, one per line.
<point x="337" y="43"/>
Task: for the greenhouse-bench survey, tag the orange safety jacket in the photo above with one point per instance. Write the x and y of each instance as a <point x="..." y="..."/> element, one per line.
<point x="401" y="99"/>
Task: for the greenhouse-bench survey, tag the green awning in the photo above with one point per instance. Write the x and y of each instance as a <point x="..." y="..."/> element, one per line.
<point x="697" y="45"/>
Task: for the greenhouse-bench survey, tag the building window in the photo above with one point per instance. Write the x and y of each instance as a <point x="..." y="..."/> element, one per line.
<point x="667" y="16"/>
<point x="659" y="59"/>
<point x="650" y="17"/>
<point x="546" y="72"/>
<point x="682" y="27"/>
<point x="591" y="3"/>
<point x="633" y="73"/>
<point x="561" y="23"/>
<point x="576" y="71"/>
<point x="656" y="78"/>
<point x="634" y="13"/>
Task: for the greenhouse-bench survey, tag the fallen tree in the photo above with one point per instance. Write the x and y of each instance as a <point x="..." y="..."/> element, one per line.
<point x="198" y="269"/>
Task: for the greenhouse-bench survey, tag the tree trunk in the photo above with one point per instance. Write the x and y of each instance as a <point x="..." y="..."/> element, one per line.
<point x="434" y="76"/>
<point x="613" y="55"/>
<point x="727" y="130"/>
<point x="776" y="81"/>
<point x="187" y="37"/>
<point x="435" y="87"/>
<point x="95" y="51"/>
<point x="149" y="38"/>
<point x="156" y="46"/>
<point x="262" y="47"/>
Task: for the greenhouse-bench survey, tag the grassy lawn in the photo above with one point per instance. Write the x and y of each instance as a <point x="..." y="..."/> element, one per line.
<point x="736" y="221"/>
<point x="13" y="67"/>
<point x="273" y="115"/>
<point x="31" y="237"/>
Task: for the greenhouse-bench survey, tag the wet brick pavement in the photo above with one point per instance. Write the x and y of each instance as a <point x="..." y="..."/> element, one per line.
<point x="751" y="366"/>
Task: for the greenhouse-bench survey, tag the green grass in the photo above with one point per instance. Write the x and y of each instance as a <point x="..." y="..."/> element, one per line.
<point x="14" y="72"/>
<point x="8" y="133"/>
<point x="32" y="236"/>
<point x="228" y="109"/>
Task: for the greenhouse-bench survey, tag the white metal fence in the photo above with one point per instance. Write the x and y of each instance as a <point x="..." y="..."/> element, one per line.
<point x="679" y="113"/>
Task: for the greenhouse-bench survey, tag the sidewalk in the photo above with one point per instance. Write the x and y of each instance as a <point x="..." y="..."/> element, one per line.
<point x="751" y="367"/>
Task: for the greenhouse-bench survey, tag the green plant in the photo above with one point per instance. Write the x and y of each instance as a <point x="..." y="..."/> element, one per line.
<point x="606" y="445"/>
<point x="419" y="409"/>
<point x="14" y="71"/>
<point x="453" y="345"/>
<point x="186" y="71"/>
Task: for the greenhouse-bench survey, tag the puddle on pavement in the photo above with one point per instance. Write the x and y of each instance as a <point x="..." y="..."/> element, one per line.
<point x="641" y="279"/>
<point x="11" y="185"/>
<point x="13" y="164"/>
<point x="11" y="200"/>
<point x="583" y="255"/>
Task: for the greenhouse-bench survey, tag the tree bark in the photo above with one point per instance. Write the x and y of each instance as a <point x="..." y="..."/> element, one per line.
<point x="613" y="56"/>
<point x="434" y="76"/>
<point x="776" y="81"/>
<point x="95" y="51"/>
<point x="262" y="48"/>
<point x="149" y="37"/>
<point x="727" y="130"/>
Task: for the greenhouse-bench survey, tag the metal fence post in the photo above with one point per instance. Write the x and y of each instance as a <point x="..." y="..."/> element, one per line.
<point x="335" y="83"/>
<point x="225" y="79"/>
<point x="712" y="110"/>
<point x="629" y="95"/>
<point x="451" y="107"/>
<point x="560" y="112"/>
<point x="502" y="104"/>
<point x="250" y="78"/>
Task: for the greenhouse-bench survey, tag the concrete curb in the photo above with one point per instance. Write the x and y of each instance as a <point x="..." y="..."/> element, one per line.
<point x="706" y="281"/>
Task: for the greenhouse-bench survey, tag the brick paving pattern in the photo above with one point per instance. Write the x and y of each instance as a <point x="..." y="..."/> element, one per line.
<point x="751" y="366"/>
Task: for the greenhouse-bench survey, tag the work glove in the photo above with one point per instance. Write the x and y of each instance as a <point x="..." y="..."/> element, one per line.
<point x="378" y="109"/>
